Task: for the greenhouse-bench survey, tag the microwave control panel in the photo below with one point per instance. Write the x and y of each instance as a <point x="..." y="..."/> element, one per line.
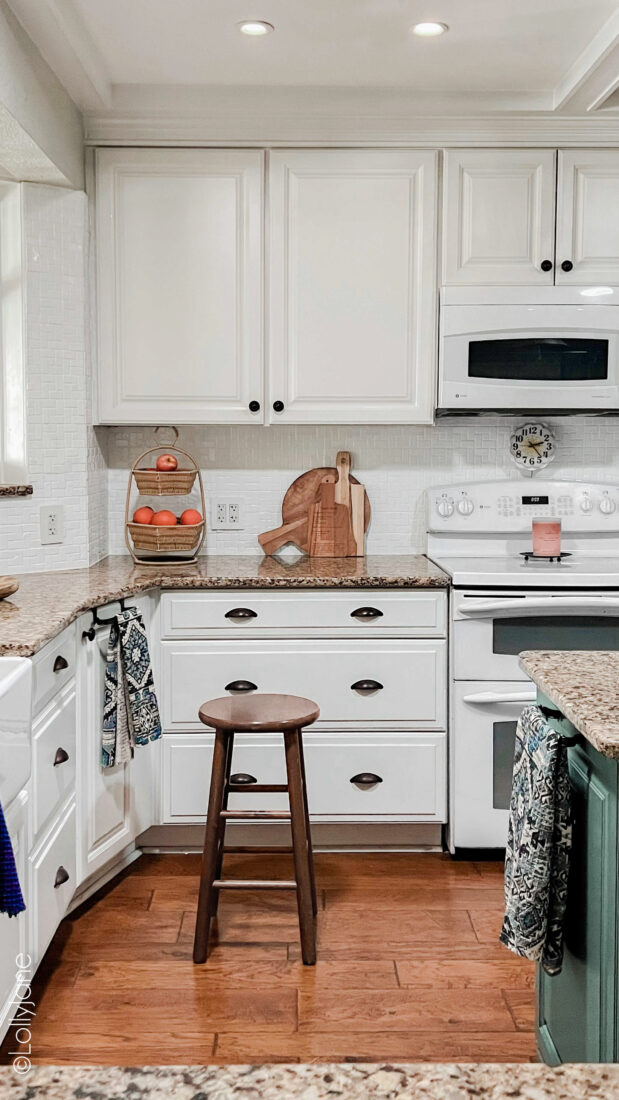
<point x="496" y="506"/>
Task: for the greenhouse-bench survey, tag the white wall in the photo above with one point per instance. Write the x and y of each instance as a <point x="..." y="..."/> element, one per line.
<point x="396" y="464"/>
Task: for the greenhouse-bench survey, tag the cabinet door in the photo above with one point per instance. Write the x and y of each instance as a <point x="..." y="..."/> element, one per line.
<point x="498" y="216"/>
<point x="352" y="286"/>
<point x="588" y="216"/>
<point x="179" y="285"/>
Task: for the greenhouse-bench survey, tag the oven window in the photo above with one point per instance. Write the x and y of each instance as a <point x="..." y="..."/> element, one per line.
<point x="503" y="744"/>
<point x="555" y="632"/>
<point x="539" y="360"/>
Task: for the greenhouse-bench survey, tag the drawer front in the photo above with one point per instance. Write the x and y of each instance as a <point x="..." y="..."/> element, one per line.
<point x="410" y="679"/>
<point x="410" y="771"/>
<point x="53" y="758"/>
<point x="418" y="613"/>
<point x="53" y="881"/>
<point x="53" y="667"/>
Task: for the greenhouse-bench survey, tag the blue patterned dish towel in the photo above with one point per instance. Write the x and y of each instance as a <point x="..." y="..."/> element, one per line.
<point x="130" y="709"/>
<point x="11" y="900"/>
<point x="537" y="859"/>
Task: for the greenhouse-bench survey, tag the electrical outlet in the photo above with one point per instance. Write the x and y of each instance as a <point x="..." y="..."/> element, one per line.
<point x="226" y="515"/>
<point x="52" y="523"/>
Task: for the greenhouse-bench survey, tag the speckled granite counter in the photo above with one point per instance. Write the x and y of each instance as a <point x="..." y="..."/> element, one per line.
<point x="584" y="685"/>
<point x="315" y="1082"/>
<point x="47" y="602"/>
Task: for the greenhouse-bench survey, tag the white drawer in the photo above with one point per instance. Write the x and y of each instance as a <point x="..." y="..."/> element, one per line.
<point x="53" y="758"/>
<point x="53" y="881"/>
<point x="411" y="676"/>
<point x="53" y="667"/>
<point x="358" y="613"/>
<point x="411" y="768"/>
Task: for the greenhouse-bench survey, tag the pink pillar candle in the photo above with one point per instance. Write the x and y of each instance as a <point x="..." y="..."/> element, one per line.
<point x="546" y="536"/>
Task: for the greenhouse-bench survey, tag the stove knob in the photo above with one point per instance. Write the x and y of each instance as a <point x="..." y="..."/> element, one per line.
<point x="607" y="506"/>
<point x="586" y="505"/>
<point x="445" y="507"/>
<point x="465" y="506"/>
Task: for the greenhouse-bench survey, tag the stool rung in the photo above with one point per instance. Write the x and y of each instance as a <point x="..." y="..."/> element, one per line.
<point x="255" y="815"/>
<point x="259" y="788"/>
<point x="253" y="884"/>
<point x="257" y="849"/>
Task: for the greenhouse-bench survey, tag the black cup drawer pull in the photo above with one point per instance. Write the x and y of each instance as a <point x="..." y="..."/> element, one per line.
<point x="60" y="663"/>
<point x="366" y="685"/>
<point x="366" y="613"/>
<point x="61" y="757"/>
<point x="243" y="779"/>
<point x="366" y="779"/>
<point x="241" y="685"/>
<point x="62" y="876"/>
<point x="241" y="613"/>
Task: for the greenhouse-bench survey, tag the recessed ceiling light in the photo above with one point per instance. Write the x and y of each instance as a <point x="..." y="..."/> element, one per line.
<point x="256" y="28"/>
<point x="429" y="30"/>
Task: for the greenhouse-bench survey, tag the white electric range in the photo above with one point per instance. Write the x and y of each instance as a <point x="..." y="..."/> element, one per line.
<point x="503" y="602"/>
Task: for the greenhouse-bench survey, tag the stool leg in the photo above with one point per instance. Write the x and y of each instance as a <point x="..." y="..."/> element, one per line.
<point x="209" y="856"/>
<point x="221" y="832"/>
<point x="300" y="848"/>
<point x="310" y="850"/>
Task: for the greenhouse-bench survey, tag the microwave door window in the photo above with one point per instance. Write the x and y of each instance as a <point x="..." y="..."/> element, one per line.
<point x="539" y="359"/>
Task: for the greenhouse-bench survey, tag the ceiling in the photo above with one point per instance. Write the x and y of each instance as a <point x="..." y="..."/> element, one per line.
<point x="121" y="57"/>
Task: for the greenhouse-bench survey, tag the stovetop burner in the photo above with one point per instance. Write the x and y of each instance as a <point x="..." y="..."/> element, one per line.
<point x="528" y="555"/>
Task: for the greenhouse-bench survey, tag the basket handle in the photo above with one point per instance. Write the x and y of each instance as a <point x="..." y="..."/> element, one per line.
<point x="165" y="428"/>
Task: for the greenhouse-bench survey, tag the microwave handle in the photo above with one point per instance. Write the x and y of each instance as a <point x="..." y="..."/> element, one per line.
<point x="489" y="609"/>
<point x="486" y="698"/>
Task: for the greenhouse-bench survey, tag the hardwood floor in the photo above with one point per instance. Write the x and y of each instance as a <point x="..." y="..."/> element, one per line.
<point x="409" y="969"/>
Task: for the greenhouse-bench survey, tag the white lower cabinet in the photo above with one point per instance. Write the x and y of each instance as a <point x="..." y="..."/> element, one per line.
<point x="408" y="771"/>
<point x="52" y="881"/>
<point x="14" y="946"/>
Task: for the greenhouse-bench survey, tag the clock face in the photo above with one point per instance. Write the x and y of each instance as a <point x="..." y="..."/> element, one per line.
<point x="532" y="446"/>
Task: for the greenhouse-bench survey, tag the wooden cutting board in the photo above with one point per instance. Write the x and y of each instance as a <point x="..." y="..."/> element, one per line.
<point x="8" y="585"/>
<point x="304" y="522"/>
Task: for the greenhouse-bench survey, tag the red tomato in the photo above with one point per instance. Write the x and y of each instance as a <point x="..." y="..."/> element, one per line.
<point x="164" y="519"/>
<point x="191" y="516"/>
<point x="143" y="514"/>
<point x="166" y="462"/>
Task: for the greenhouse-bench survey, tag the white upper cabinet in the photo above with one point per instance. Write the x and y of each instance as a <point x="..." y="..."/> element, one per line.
<point x="352" y="261"/>
<point x="588" y="216"/>
<point x="498" y="217"/>
<point x="179" y="285"/>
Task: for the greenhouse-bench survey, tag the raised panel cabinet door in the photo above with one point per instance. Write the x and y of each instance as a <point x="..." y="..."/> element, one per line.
<point x="352" y="262"/>
<point x="498" y="217"/>
<point x="588" y="216"/>
<point x="179" y="285"/>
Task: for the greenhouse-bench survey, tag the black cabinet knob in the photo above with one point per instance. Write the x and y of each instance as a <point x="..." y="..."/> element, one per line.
<point x="241" y="686"/>
<point x="61" y="757"/>
<point x="62" y="876"/>
<point x="243" y="779"/>
<point x="366" y="779"/>
<point x="254" y="406"/>
<point x="546" y="265"/>
<point x="278" y="406"/>
<point x="366" y="613"/>
<point x="241" y="613"/>
<point x="567" y="265"/>
<point x="366" y="685"/>
<point x="60" y="663"/>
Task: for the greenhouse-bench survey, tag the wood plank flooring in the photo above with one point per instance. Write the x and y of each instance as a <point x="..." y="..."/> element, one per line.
<point x="409" y="969"/>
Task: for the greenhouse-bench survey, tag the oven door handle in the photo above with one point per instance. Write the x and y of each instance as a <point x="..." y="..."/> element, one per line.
<point x="487" y="698"/>
<point x="521" y="607"/>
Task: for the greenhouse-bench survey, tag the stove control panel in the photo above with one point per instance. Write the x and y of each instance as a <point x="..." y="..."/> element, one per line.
<point x="505" y="506"/>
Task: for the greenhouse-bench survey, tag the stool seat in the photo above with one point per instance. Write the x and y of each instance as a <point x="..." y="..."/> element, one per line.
<point x="259" y="713"/>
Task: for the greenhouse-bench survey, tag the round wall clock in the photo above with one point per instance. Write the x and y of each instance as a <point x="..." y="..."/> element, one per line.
<point x="532" y="446"/>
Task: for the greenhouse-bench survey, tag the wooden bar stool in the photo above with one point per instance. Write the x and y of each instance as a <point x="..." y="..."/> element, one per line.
<point x="287" y="714"/>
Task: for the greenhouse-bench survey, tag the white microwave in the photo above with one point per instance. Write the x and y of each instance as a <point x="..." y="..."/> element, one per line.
<point x="528" y="349"/>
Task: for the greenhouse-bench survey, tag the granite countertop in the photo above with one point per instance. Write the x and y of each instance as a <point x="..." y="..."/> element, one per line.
<point x="584" y="685"/>
<point x="315" y="1082"/>
<point x="47" y="602"/>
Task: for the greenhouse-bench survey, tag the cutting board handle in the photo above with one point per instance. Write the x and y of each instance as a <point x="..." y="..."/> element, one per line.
<point x="342" y="488"/>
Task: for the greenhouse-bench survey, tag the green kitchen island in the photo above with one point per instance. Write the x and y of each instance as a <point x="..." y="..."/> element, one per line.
<point x="577" y="1010"/>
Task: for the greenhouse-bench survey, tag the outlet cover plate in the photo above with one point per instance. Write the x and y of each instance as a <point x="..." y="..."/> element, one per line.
<point x="52" y="523"/>
<point x="227" y="515"/>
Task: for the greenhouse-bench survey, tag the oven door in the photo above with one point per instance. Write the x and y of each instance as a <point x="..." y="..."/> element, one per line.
<point x="525" y="357"/>
<point x="489" y="631"/>
<point x="482" y="755"/>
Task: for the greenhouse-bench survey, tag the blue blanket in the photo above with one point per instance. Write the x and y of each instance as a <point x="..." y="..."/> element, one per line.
<point x="537" y="858"/>
<point x="11" y="900"/>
